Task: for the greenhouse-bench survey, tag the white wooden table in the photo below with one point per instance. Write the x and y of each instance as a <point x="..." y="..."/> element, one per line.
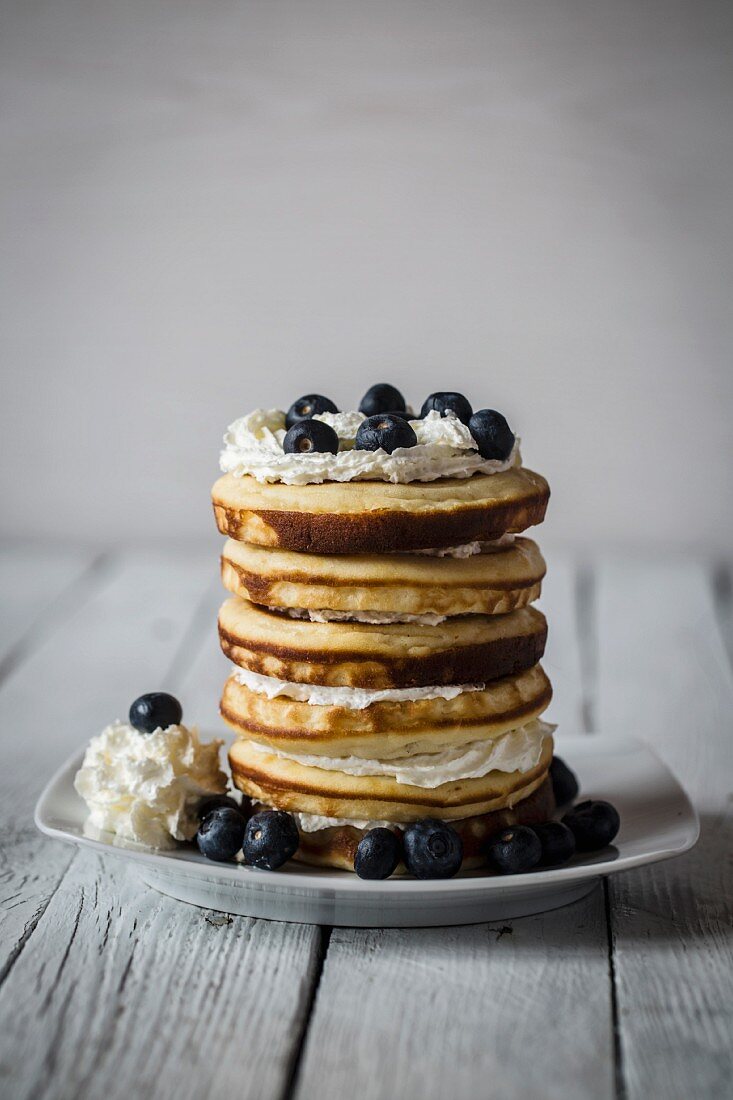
<point x="110" y="990"/>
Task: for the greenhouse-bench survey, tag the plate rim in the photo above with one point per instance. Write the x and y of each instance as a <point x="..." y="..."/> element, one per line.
<point x="326" y="880"/>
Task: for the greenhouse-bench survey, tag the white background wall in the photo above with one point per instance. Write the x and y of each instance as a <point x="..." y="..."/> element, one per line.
<point x="215" y="205"/>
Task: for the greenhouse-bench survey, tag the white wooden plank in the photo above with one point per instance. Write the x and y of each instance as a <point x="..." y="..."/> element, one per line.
<point x="512" y="1011"/>
<point x="523" y="1009"/>
<point x="33" y="579"/>
<point x="84" y="673"/>
<point x="122" y="992"/>
<point x="128" y="994"/>
<point x="664" y="676"/>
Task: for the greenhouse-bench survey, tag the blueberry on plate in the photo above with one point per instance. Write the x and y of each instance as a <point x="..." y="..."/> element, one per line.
<point x="565" y="784"/>
<point x="492" y="435"/>
<point x="221" y="834"/>
<point x="156" y="710"/>
<point x="594" y="824"/>
<point x="448" y="402"/>
<point x="306" y="407"/>
<point x="385" y="431"/>
<point x="515" y="850"/>
<point x="216" y="802"/>
<point x="558" y="843"/>
<point x="432" y="849"/>
<point x="377" y="854"/>
<point x="308" y="436"/>
<point x="271" y="838"/>
<point x="382" y="398"/>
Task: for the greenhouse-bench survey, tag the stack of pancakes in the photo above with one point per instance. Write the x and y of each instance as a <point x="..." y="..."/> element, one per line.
<point x="385" y="653"/>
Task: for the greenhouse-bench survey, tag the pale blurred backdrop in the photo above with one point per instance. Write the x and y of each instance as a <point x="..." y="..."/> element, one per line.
<point x="210" y="206"/>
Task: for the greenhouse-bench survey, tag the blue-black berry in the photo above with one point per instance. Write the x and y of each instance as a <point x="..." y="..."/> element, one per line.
<point x="385" y="431"/>
<point x="594" y="824"/>
<point x="515" y="850"/>
<point x="221" y="834"/>
<point x="309" y="436"/>
<point x="270" y="839"/>
<point x="448" y="402"/>
<point x="382" y="398"/>
<point x="377" y="854"/>
<point x="565" y="784"/>
<point x="558" y="843"/>
<point x="492" y="435"/>
<point x="432" y="849"/>
<point x="156" y="710"/>
<point x="306" y="407"/>
<point x="216" y="802"/>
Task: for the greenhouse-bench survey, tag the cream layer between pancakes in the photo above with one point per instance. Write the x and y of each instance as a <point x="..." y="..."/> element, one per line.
<point x="518" y="750"/>
<point x="319" y="695"/>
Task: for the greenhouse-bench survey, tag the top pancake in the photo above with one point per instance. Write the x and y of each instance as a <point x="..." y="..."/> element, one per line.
<point x="492" y="583"/>
<point x="376" y="516"/>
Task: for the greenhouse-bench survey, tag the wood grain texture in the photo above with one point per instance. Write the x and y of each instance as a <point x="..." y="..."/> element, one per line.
<point x="119" y="991"/>
<point x="664" y="676"/>
<point x="114" y="643"/>
<point x="515" y="1011"/>
<point x="126" y="993"/>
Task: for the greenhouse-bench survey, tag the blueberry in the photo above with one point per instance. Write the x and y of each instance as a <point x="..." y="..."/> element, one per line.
<point x="565" y="784"/>
<point x="515" y="850"/>
<point x="270" y="839"/>
<point x="493" y="436"/>
<point x="377" y="854"/>
<point x="381" y="398"/>
<point x="306" y="407"/>
<point x="221" y="834"/>
<point x="156" y="710"/>
<point x="216" y="802"/>
<point x="309" y="436"/>
<point x="385" y="431"/>
<point x="594" y="824"/>
<point x="448" y="402"/>
<point x="558" y="843"/>
<point x="432" y="849"/>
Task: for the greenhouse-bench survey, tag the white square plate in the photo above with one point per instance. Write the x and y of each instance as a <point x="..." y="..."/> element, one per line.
<point x="657" y="822"/>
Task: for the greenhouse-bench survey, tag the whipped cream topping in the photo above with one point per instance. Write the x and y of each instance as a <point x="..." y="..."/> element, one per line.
<point x="147" y="787"/>
<point x="375" y="617"/>
<point x="353" y="698"/>
<point x="445" y="448"/>
<point x="519" y="750"/>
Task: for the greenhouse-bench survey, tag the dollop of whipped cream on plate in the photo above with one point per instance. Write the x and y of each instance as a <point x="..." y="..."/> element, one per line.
<point x="146" y="787"/>
<point x="351" y="697"/>
<point x="518" y="750"/>
<point x="445" y="448"/>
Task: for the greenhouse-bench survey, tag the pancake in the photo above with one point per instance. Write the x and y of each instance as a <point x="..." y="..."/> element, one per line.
<point x="491" y="583"/>
<point x="470" y="649"/>
<point x="336" y="846"/>
<point x="387" y="730"/>
<point x="379" y="517"/>
<point x="300" y="788"/>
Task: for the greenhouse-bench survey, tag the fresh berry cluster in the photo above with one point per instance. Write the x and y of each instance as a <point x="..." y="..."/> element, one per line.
<point x="266" y="839"/>
<point x="433" y="849"/>
<point x="387" y="423"/>
<point x="429" y="849"/>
